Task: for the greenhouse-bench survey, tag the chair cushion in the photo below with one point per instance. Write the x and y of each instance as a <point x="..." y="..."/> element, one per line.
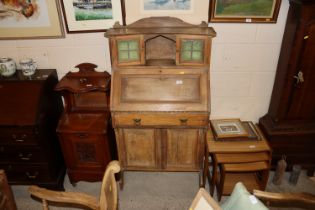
<point x="241" y="199"/>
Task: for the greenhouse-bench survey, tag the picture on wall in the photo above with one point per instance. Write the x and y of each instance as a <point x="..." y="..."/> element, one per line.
<point x="23" y="19"/>
<point x="244" y="11"/>
<point x="183" y="6"/>
<point x="92" y="15"/>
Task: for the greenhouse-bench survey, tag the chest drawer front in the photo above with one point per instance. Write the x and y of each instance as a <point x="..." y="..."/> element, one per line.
<point x="21" y="154"/>
<point x="167" y="119"/>
<point x="21" y="173"/>
<point x="18" y="136"/>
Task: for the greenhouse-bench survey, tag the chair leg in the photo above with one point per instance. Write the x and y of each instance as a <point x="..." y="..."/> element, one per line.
<point x="45" y="205"/>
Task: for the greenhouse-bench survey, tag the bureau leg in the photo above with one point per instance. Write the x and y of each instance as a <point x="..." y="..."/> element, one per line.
<point x="121" y="180"/>
<point x="310" y="171"/>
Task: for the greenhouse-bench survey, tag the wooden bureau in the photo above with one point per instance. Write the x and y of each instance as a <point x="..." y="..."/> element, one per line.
<point x="29" y="112"/>
<point x="160" y="96"/>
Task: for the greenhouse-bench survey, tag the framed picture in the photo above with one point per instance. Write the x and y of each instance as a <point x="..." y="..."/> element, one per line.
<point x="228" y="128"/>
<point x="203" y="201"/>
<point x="246" y="11"/>
<point x="166" y="6"/>
<point x="30" y="19"/>
<point x="92" y="16"/>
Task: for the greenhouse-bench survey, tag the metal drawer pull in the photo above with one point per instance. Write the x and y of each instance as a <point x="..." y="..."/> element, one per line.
<point x="137" y="121"/>
<point x="82" y="135"/>
<point x="32" y="176"/>
<point x="21" y="139"/>
<point x="183" y="120"/>
<point x="26" y="157"/>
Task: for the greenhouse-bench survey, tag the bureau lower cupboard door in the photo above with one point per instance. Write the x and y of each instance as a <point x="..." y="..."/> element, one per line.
<point x="161" y="149"/>
<point x="183" y="149"/>
<point x="140" y="148"/>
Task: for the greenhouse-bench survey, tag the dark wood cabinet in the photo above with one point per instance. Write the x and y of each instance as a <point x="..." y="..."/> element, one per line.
<point x="289" y="124"/>
<point x="160" y="96"/>
<point x="84" y="130"/>
<point x="29" y="113"/>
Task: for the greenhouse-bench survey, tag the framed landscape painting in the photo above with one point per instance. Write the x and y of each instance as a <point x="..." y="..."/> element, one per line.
<point x="30" y="19"/>
<point x="166" y="6"/>
<point x="92" y="15"/>
<point x="244" y="11"/>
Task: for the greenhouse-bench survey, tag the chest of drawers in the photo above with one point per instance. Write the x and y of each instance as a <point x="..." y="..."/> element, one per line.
<point x="29" y="147"/>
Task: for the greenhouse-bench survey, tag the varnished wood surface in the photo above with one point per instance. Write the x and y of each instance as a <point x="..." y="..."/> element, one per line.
<point x="289" y="124"/>
<point x="160" y="105"/>
<point x="160" y="119"/>
<point x="7" y="201"/>
<point x="238" y="161"/>
<point x="84" y="131"/>
<point x="244" y="167"/>
<point x="236" y="146"/>
<point x="83" y="122"/>
<point x="301" y="200"/>
<point x="29" y="113"/>
<point x="161" y="25"/>
<point x="160" y="89"/>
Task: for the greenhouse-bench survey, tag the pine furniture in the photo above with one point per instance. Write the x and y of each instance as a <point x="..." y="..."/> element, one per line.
<point x="289" y="125"/>
<point x="160" y="96"/>
<point x="84" y="128"/>
<point x="29" y="111"/>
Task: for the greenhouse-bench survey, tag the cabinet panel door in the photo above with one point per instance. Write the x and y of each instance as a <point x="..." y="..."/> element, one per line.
<point x="128" y="50"/>
<point x="302" y="104"/>
<point x="192" y="50"/>
<point x="182" y="149"/>
<point x="140" y="146"/>
<point x="84" y="151"/>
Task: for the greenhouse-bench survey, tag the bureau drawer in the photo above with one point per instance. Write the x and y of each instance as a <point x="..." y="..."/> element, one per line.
<point x="22" y="154"/>
<point x="18" y="136"/>
<point x="163" y="119"/>
<point x="27" y="173"/>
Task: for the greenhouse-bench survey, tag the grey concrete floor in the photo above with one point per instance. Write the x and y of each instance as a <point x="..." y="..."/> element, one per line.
<point x="156" y="191"/>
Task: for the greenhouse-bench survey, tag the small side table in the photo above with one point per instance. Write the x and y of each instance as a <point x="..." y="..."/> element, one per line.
<point x="234" y="161"/>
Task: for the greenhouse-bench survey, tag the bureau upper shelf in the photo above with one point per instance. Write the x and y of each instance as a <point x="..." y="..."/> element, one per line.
<point x="160" y="41"/>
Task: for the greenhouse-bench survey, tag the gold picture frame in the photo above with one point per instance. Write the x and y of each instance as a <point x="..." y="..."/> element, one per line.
<point x="252" y="11"/>
<point x="225" y="128"/>
<point x="32" y="20"/>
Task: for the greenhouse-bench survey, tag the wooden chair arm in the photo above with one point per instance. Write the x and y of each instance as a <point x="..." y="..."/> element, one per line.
<point x="302" y="200"/>
<point x="64" y="197"/>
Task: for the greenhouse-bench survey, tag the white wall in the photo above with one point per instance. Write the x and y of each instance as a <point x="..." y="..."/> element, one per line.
<point x="243" y="64"/>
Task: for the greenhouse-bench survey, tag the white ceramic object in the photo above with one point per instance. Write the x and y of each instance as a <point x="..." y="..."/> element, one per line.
<point x="28" y="66"/>
<point x="7" y="67"/>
